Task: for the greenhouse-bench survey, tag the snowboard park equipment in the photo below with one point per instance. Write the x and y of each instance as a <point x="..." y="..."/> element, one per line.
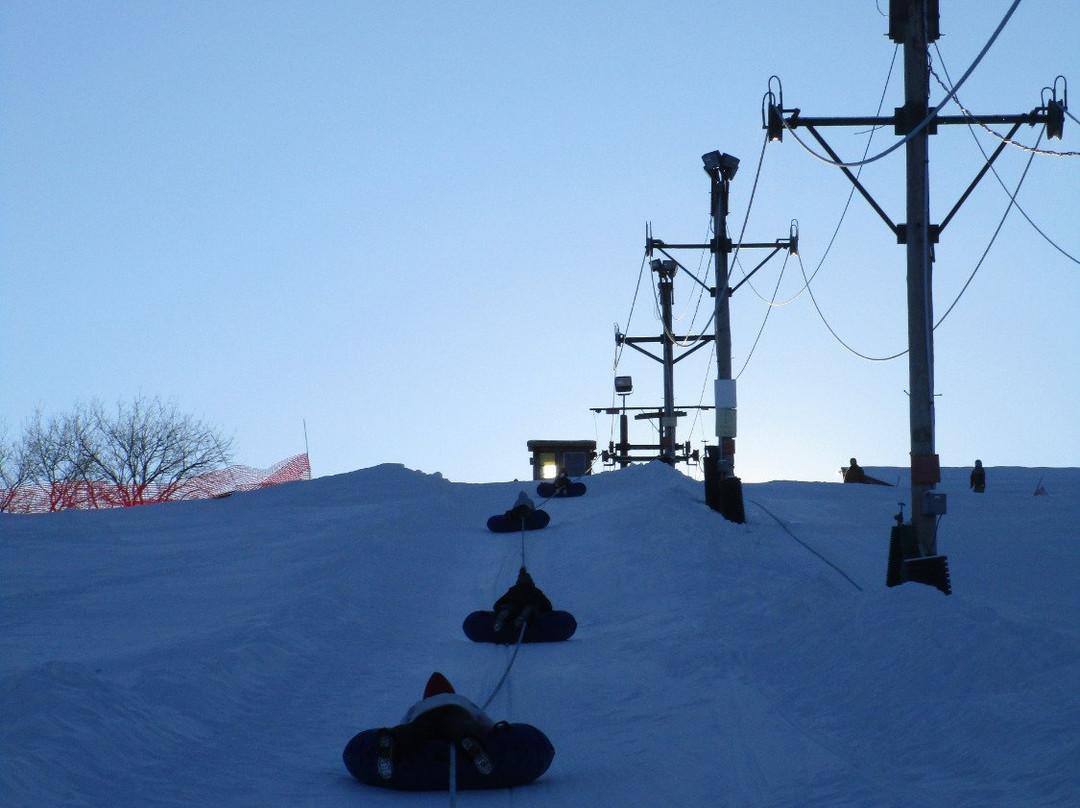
<point x="553" y="626"/>
<point x="534" y="521"/>
<point x="519" y="754"/>
<point x="549" y="490"/>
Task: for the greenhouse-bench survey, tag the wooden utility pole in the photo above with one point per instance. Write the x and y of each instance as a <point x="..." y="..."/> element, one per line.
<point x="913" y="553"/>
<point x="916" y="30"/>
<point x="723" y="490"/>
<point x="667" y="416"/>
<point x="721" y="169"/>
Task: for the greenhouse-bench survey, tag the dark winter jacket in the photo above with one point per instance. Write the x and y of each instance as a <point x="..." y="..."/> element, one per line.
<point x="854" y="474"/>
<point x="523" y="595"/>
<point x="523" y="506"/>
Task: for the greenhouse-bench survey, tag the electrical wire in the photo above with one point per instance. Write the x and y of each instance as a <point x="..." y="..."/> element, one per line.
<point x="1012" y="203"/>
<point x="699" y="276"/>
<point x="629" y="317"/>
<point x="701" y="293"/>
<point x="997" y="176"/>
<point x="963" y="289"/>
<point x="930" y="115"/>
<point x="746" y="218"/>
<point x="998" y="135"/>
<point x="851" y="193"/>
<point x="704" y="387"/>
<point x="770" y="304"/>
<point x="768" y="311"/>
<point x="735" y="254"/>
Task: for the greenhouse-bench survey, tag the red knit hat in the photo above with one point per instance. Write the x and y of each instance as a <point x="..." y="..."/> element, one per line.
<point x="437" y="684"/>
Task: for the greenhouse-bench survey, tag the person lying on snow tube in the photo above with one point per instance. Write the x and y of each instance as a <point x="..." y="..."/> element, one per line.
<point x="523" y="506"/>
<point x="414" y="755"/>
<point x="522" y="602"/>
<point x="442" y="714"/>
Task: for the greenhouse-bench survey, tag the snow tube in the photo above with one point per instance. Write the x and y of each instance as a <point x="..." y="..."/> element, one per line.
<point x="519" y="754"/>
<point x="553" y="626"/>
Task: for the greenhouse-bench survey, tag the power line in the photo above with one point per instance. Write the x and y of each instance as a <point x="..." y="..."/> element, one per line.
<point x="1012" y="203"/>
<point x="768" y="311"/>
<point x="1020" y="146"/>
<point x="746" y="219"/>
<point x="930" y="115"/>
<point x="633" y="303"/>
<point x="963" y="289"/>
<point x="851" y="193"/>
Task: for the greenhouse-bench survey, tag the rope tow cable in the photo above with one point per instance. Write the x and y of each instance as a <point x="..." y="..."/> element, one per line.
<point x="804" y="544"/>
<point x="517" y="647"/>
<point x="453" y="776"/>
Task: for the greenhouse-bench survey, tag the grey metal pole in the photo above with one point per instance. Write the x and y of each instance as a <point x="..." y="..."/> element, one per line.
<point x="919" y="278"/>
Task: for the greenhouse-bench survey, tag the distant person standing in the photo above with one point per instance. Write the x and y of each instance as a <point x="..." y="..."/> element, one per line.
<point x="978" y="478"/>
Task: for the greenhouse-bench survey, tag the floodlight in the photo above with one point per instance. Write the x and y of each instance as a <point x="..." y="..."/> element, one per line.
<point x="720" y="164"/>
<point x="624" y="385"/>
<point x="664" y="267"/>
<point x="711" y="161"/>
<point x="728" y="166"/>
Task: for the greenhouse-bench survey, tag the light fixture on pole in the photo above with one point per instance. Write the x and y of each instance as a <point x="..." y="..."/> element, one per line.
<point x="720" y="165"/>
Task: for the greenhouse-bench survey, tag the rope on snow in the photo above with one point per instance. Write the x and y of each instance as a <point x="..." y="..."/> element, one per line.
<point x="517" y="647"/>
<point x="804" y="544"/>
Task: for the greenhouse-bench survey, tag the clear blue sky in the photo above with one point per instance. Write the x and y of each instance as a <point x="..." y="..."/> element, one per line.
<point x="413" y="225"/>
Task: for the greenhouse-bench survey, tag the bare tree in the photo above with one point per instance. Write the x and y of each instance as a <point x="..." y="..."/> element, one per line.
<point x="15" y="471"/>
<point x="147" y="449"/>
<point x="144" y="452"/>
<point x="51" y="457"/>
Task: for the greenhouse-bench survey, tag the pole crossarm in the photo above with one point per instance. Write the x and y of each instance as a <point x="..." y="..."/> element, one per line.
<point x="617" y="410"/>
<point x="899" y="120"/>
<point x="733" y="289"/>
<point x="775" y="246"/>
<point x="989" y="162"/>
<point x="855" y="181"/>
<point x="780" y="244"/>
<point x="696" y="279"/>
<point x="900" y="230"/>
<point x="700" y="339"/>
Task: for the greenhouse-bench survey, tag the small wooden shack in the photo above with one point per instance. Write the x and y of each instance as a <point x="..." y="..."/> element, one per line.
<point x="548" y="456"/>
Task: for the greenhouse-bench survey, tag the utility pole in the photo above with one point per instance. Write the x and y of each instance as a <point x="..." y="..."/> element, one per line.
<point x="915" y="35"/>
<point x="723" y="490"/>
<point x="913" y="551"/>
<point x="667" y="416"/>
<point x="668" y="420"/>
<point x="721" y="169"/>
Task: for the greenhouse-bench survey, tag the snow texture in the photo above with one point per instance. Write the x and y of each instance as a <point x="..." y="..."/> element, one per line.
<point x="221" y="653"/>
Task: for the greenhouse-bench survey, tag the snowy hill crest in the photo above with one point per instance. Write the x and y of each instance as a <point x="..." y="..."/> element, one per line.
<point x="222" y="652"/>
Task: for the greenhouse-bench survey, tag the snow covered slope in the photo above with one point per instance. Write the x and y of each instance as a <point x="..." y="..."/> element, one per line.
<point x="221" y="653"/>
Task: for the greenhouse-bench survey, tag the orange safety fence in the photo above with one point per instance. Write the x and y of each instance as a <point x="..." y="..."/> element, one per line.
<point x="86" y="494"/>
